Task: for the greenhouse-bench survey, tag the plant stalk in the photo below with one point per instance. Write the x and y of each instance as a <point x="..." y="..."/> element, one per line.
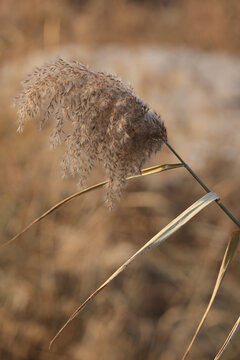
<point x="237" y="222"/>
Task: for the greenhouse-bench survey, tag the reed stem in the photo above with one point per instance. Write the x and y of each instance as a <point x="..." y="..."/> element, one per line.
<point x="223" y="207"/>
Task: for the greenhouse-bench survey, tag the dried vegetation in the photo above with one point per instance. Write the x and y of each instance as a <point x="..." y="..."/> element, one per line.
<point x="109" y="123"/>
<point x="152" y="311"/>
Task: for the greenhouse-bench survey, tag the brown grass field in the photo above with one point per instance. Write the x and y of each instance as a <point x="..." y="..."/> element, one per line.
<point x="182" y="57"/>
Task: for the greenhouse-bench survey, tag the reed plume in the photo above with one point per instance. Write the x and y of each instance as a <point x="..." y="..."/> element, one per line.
<point x="108" y="121"/>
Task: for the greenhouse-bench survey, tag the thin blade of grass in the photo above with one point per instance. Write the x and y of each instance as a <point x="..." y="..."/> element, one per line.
<point x="230" y="251"/>
<point x="167" y="231"/>
<point x="148" y="171"/>
<point x="49" y="211"/>
<point x="228" y="339"/>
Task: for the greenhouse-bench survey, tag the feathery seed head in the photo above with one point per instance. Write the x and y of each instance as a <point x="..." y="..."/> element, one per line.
<point x="109" y="122"/>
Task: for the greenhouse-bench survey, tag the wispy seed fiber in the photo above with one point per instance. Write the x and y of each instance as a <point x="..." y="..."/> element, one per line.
<point x="108" y="121"/>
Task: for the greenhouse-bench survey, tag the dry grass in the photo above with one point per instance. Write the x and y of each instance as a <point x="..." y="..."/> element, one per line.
<point x="228" y="339"/>
<point x="32" y="24"/>
<point x="152" y="311"/>
<point x="55" y="265"/>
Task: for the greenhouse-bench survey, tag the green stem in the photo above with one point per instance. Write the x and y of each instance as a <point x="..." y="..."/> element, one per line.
<point x="237" y="222"/>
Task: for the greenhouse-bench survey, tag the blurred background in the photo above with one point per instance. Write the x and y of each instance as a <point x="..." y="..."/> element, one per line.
<point x="182" y="57"/>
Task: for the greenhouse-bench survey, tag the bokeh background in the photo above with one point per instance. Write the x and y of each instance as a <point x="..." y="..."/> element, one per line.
<point x="182" y="57"/>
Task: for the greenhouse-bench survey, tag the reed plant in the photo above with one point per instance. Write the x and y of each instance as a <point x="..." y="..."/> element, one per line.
<point x="99" y="118"/>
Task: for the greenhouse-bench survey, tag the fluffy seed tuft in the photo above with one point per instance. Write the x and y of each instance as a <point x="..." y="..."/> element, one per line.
<point x="109" y="122"/>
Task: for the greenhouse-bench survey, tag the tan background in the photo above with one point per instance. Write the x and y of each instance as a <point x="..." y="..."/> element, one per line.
<point x="182" y="57"/>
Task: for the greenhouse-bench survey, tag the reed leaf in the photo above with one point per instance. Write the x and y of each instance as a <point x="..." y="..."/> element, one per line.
<point x="167" y="231"/>
<point x="144" y="172"/>
<point x="229" y="253"/>
<point x="228" y="339"/>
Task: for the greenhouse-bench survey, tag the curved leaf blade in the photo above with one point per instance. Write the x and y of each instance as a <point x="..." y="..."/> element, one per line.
<point x="148" y="171"/>
<point x="227" y="258"/>
<point x="228" y="339"/>
<point x="167" y="231"/>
